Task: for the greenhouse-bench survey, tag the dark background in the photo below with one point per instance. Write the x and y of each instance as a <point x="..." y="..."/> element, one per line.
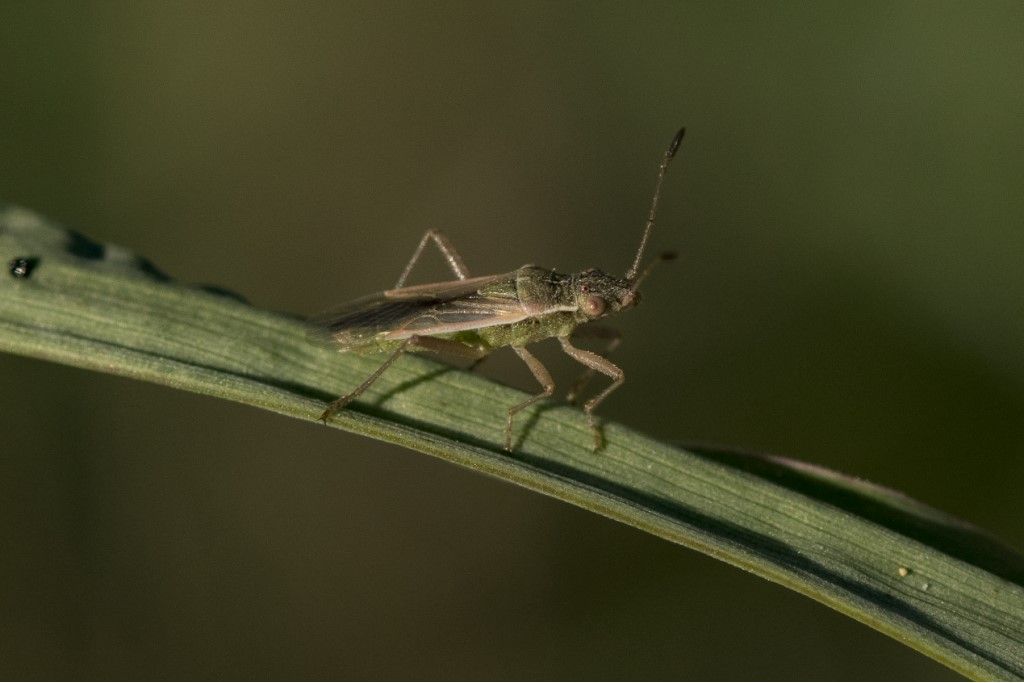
<point x="849" y="213"/>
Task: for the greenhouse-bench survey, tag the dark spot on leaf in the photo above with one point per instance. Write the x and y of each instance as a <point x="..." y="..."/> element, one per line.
<point x="221" y="291"/>
<point x="82" y="246"/>
<point x="22" y="267"/>
<point x="147" y="267"/>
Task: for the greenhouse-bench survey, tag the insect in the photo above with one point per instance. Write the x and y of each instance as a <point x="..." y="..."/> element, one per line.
<point x="471" y="316"/>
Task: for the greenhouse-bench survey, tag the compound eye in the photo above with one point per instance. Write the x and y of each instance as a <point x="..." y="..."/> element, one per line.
<point x="593" y="306"/>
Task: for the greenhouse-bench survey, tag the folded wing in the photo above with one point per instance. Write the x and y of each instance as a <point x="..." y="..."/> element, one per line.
<point x="427" y="310"/>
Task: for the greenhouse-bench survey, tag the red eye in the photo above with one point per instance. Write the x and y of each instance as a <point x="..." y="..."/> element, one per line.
<point x="593" y="306"/>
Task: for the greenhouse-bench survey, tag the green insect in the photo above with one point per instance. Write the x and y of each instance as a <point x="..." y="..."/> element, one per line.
<point x="472" y="316"/>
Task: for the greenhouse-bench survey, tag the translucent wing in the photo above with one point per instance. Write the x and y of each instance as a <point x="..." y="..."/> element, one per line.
<point x="432" y="309"/>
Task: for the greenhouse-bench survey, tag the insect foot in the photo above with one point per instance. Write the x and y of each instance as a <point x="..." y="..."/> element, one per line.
<point x="595" y="427"/>
<point x="335" y="407"/>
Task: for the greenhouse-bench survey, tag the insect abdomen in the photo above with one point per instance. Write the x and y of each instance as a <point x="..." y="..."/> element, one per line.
<point x="527" y="331"/>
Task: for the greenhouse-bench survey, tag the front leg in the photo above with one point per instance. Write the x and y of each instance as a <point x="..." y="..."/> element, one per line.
<point x="609" y="334"/>
<point x="605" y="367"/>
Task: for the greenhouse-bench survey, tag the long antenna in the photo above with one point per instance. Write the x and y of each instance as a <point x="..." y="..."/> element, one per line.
<point x="664" y="256"/>
<point x="662" y="170"/>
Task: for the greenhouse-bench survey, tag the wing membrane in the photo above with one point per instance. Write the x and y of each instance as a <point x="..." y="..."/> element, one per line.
<point x="432" y="309"/>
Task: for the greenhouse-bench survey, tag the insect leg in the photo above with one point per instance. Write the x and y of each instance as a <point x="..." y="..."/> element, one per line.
<point x="611" y="335"/>
<point x="542" y="376"/>
<point x="605" y="367"/>
<point x="445" y="346"/>
<point x="447" y="249"/>
<point x="338" y="404"/>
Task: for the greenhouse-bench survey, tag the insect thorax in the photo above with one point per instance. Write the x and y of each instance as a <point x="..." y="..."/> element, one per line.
<point x="547" y="298"/>
<point x="541" y="290"/>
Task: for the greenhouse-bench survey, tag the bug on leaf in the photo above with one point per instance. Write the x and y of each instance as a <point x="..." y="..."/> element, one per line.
<point x="472" y="316"/>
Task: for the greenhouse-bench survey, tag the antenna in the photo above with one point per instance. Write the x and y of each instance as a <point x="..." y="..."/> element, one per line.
<point x="664" y="256"/>
<point x="662" y="170"/>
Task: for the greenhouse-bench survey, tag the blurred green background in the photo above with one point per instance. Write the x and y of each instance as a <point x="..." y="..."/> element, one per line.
<point x="849" y="213"/>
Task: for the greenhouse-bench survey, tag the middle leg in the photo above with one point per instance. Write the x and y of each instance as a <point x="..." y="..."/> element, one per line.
<point x="543" y="378"/>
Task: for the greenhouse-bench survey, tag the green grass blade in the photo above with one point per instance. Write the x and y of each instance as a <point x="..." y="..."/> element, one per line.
<point x="926" y="579"/>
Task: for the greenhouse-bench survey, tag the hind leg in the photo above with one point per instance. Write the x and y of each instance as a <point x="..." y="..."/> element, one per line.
<point x="447" y="249"/>
<point x="434" y="344"/>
